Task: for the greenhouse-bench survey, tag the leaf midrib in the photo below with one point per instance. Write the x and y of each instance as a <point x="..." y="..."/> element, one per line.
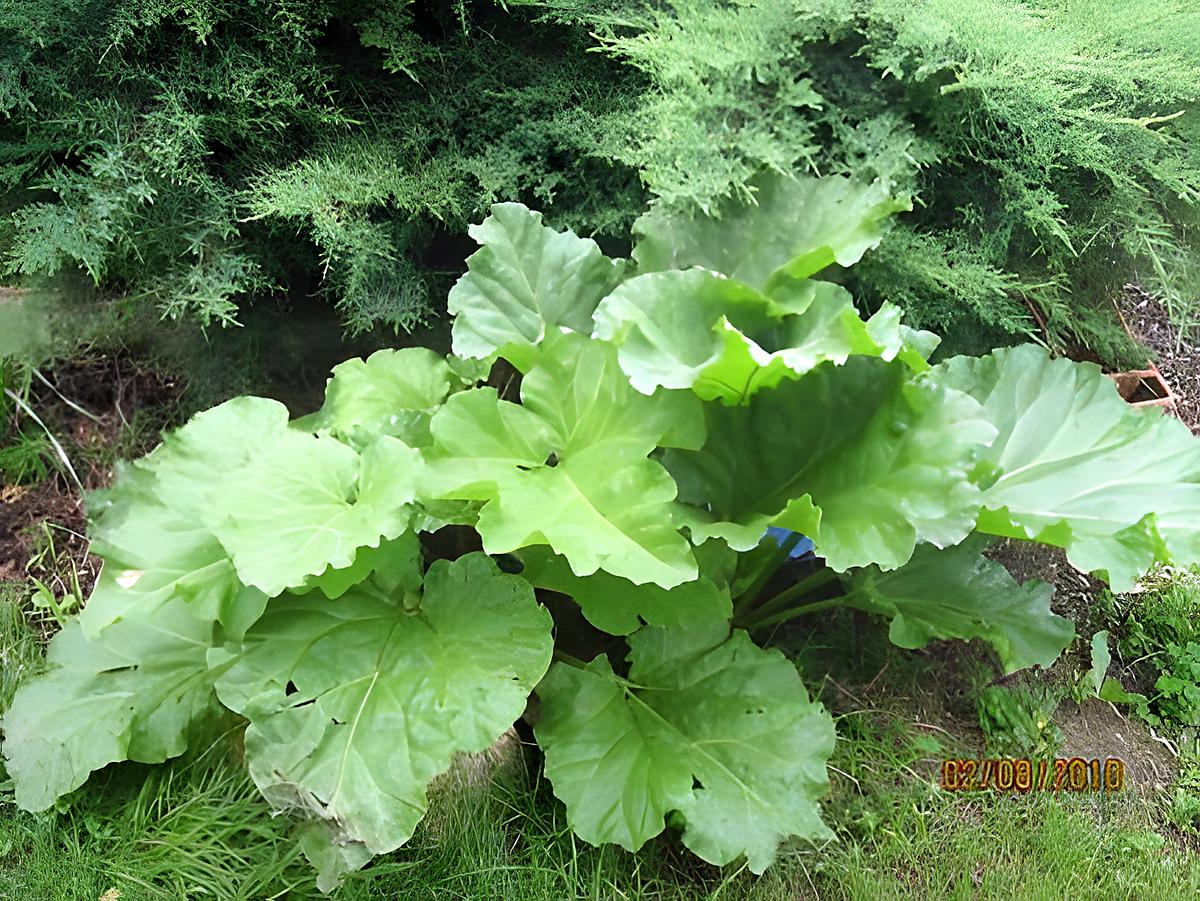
<point x="689" y="741"/>
<point x="358" y="715"/>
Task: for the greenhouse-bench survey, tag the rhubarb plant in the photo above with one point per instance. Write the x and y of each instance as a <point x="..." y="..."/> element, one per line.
<point x="621" y="433"/>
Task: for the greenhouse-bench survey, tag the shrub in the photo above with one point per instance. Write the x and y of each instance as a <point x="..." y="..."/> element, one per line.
<point x="198" y="154"/>
<point x="1050" y="145"/>
<point x="321" y="577"/>
<point x="195" y="155"/>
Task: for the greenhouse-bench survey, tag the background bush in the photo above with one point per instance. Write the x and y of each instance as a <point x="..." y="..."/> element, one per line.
<point x="197" y="153"/>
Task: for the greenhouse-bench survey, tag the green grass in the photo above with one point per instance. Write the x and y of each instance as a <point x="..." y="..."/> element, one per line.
<point x="901" y="836"/>
<point x="1166" y="611"/>
<point x="20" y="647"/>
<point x="26" y="458"/>
<point x="186" y="831"/>
<point x="197" y="829"/>
<point x="1016" y="847"/>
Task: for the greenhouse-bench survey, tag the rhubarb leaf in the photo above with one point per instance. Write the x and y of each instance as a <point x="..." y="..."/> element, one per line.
<point x="526" y="281"/>
<point x="724" y="340"/>
<point x="1075" y="466"/>
<point x="356" y="704"/>
<point x="392" y="392"/>
<point x="959" y="593"/>
<point x="619" y="607"/>
<point x="152" y="555"/>
<point x="393" y="566"/>
<point x="570" y="468"/>
<point x="861" y="458"/>
<point x="192" y="462"/>
<point x="131" y="694"/>
<point x="310" y="502"/>
<point x="152" y="527"/>
<point x="707" y="725"/>
<point x="795" y="228"/>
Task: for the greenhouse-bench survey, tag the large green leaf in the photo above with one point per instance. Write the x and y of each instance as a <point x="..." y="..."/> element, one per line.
<point x="309" y="502"/>
<point x="1075" y="466"/>
<point x="570" y="467"/>
<point x="236" y="492"/>
<point x="132" y="694"/>
<point x="708" y="725"/>
<point x="724" y="340"/>
<point x="192" y="461"/>
<point x="959" y="593"/>
<point x="862" y="458"/>
<point x="159" y="555"/>
<point x="795" y="228"/>
<point x="579" y="391"/>
<point x="526" y="281"/>
<point x="394" y="566"/>
<point x="392" y="392"/>
<point x="670" y="327"/>
<point x="600" y="513"/>
<point x="479" y="439"/>
<point x="356" y="704"/>
<point x="152" y="554"/>
<point x="152" y="527"/>
<point x="619" y="607"/>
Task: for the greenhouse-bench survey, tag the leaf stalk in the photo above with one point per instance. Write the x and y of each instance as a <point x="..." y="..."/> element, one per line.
<point x="780" y="601"/>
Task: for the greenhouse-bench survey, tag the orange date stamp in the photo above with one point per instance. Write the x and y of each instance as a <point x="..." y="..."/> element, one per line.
<point x="1021" y="774"/>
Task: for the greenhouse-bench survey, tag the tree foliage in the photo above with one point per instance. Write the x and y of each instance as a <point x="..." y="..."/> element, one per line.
<point x="1050" y="147"/>
<point x="197" y="154"/>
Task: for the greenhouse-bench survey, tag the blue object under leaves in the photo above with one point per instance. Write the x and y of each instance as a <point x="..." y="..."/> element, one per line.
<point x="803" y="548"/>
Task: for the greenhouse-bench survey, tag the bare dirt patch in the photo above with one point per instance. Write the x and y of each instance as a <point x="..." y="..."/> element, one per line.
<point x="1075" y="593"/>
<point x="1096" y="730"/>
<point x="1177" y="359"/>
<point x="22" y="510"/>
<point x="100" y="409"/>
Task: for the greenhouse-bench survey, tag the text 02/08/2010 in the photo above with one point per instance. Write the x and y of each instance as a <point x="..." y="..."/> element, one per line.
<point x="1021" y="774"/>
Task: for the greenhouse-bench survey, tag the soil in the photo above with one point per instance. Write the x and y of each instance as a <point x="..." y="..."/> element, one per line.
<point x="23" y="509"/>
<point x="1075" y="593"/>
<point x="126" y="404"/>
<point x="1097" y="730"/>
<point x="1178" y="360"/>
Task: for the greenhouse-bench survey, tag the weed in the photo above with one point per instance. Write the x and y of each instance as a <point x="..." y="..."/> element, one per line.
<point x="1160" y="642"/>
<point x="1019" y="721"/>
<point x="61" y="593"/>
<point x="26" y="453"/>
<point x="26" y="458"/>
<point x="1182" y="805"/>
<point x="1177" y="694"/>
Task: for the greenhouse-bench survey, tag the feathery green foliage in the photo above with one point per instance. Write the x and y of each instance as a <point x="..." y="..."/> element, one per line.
<point x="196" y="154"/>
<point x="1049" y="146"/>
